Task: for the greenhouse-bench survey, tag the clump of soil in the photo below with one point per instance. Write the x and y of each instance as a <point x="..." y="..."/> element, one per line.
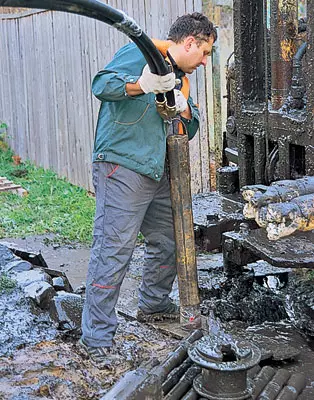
<point x="38" y="361"/>
<point x="59" y="369"/>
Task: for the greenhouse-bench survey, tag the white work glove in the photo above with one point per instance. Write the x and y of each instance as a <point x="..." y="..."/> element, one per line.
<point x="150" y="82"/>
<point x="181" y="103"/>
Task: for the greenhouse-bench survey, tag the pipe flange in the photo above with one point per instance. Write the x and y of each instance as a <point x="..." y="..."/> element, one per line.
<point x="207" y="394"/>
<point x="210" y="353"/>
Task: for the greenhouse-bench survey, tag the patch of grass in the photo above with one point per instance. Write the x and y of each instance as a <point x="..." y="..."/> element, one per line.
<point x="3" y="133"/>
<point x="311" y="275"/>
<point x="6" y="284"/>
<point x="52" y="206"/>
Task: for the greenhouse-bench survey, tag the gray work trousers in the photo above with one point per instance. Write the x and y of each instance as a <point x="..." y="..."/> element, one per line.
<point x="127" y="203"/>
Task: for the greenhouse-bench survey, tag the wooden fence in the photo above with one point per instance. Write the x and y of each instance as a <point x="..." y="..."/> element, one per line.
<point x="47" y="61"/>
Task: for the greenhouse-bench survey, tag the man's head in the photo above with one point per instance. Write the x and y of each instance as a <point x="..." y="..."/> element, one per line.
<point x="193" y="36"/>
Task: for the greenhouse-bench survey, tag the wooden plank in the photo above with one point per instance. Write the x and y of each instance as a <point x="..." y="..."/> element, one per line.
<point x="15" y="13"/>
<point x="8" y="186"/>
<point x="88" y="60"/>
<point x="3" y="53"/>
<point x="51" y="95"/>
<point x="61" y="74"/>
<point x="38" y="93"/>
<point x="140" y="11"/>
<point x="73" y="92"/>
<point x="85" y="101"/>
<point x="29" y="78"/>
<point x="168" y="18"/>
<point x="149" y="18"/>
<point x="14" y="66"/>
<point x="9" y="107"/>
<point x="44" y="94"/>
<point x="24" y="25"/>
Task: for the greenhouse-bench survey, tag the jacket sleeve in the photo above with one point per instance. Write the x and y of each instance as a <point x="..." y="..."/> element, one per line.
<point x="192" y="125"/>
<point x="126" y="67"/>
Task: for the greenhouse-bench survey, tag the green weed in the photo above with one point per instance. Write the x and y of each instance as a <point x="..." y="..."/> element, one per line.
<point x="52" y="205"/>
<point x="6" y="284"/>
<point x="311" y="275"/>
<point x="3" y="134"/>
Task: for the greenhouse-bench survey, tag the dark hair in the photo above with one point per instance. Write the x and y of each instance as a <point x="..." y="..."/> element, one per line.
<point x="196" y="25"/>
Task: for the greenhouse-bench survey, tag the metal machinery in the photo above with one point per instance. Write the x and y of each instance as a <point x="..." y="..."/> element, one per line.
<point x="270" y="110"/>
<point x="269" y="131"/>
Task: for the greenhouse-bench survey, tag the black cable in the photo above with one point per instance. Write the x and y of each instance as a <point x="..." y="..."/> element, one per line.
<point x="105" y="13"/>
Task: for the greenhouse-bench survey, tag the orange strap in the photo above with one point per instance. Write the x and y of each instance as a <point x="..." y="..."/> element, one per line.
<point x="163" y="46"/>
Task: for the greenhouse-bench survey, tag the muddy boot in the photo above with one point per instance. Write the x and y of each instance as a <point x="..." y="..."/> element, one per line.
<point x="172" y="313"/>
<point x="192" y="324"/>
<point x="190" y="318"/>
<point x="102" y="357"/>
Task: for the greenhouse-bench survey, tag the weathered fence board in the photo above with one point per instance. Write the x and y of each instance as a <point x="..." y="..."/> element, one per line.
<point x="47" y="62"/>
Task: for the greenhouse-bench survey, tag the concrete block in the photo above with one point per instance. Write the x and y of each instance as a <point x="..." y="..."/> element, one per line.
<point x="66" y="309"/>
<point x="18" y="266"/>
<point x="25" y="278"/>
<point x="41" y="292"/>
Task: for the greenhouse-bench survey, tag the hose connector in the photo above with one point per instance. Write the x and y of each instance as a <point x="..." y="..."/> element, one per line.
<point x="164" y="110"/>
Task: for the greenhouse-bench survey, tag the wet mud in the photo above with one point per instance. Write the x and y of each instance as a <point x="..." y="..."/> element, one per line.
<point x="21" y="324"/>
<point x="37" y="361"/>
<point x="59" y="368"/>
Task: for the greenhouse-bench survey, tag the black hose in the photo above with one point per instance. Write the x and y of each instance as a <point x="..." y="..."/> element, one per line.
<point x="105" y="13"/>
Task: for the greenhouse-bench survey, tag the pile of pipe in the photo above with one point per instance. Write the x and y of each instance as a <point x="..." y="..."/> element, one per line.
<point x="282" y="208"/>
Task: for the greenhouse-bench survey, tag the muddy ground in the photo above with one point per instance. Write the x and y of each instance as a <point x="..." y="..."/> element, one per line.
<point x="58" y="369"/>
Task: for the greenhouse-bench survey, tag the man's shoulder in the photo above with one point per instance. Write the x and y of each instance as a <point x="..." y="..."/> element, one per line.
<point x="130" y="49"/>
<point x="128" y="56"/>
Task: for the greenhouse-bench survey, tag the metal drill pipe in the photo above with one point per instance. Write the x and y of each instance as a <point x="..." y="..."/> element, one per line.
<point x="261" y="380"/>
<point x="180" y="186"/>
<point x="191" y="395"/>
<point x="252" y="373"/>
<point x="176" y="357"/>
<point x="295" y="386"/>
<point x="184" y="383"/>
<point x="175" y="375"/>
<point x="274" y="387"/>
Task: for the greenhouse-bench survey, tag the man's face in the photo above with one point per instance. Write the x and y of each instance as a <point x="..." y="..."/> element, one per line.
<point x="195" y="54"/>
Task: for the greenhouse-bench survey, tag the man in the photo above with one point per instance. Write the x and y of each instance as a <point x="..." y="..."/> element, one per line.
<point x="132" y="189"/>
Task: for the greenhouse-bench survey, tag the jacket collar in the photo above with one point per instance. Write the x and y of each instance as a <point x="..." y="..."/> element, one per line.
<point x="163" y="46"/>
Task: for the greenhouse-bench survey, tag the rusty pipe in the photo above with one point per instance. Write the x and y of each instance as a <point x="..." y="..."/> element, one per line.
<point x="294" y="388"/>
<point x="181" y="201"/>
<point x="177" y="356"/>
<point x="284" y="28"/>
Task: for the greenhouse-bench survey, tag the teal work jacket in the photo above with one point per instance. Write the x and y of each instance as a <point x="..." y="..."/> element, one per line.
<point x="130" y="132"/>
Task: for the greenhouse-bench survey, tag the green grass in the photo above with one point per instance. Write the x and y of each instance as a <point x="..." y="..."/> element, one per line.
<point x="6" y="284"/>
<point x="310" y="275"/>
<point x="52" y="206"/>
